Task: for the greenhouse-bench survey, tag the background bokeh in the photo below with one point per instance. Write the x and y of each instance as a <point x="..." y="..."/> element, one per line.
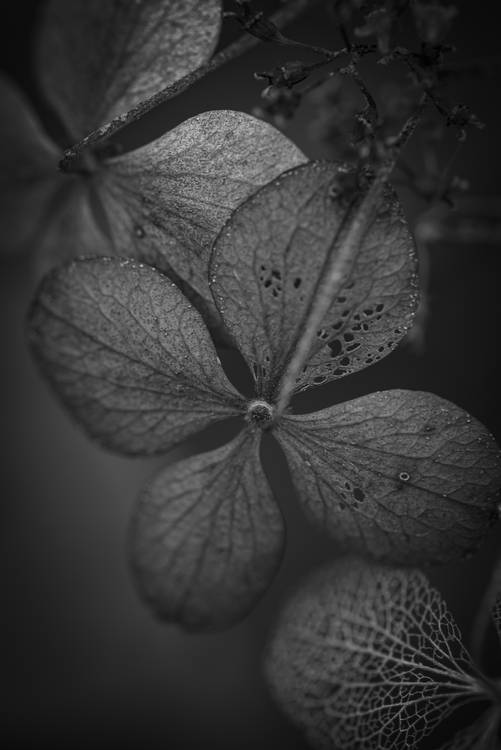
<point x="83" y="662"/>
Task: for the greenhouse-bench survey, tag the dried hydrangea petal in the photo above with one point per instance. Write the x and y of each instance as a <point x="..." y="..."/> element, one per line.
<point x="128" y="355"/>
<point x="40" y="209"/>
<point x="167" y="201"/>
<point x="207" y="537"/>
<point x="99" y="58"/>
<point x="369" y="657"/>
<point x="268" y="260"/>
<point x="403" y="475"/>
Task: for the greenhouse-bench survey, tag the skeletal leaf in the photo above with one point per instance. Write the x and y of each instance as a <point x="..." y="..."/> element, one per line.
<point x="99" y="58"/>
<point x="128" y="355"/>
<point x="167" y="201"/>
<point x="369" y="657"/>
<point x="39" y="207"/>
<point x="207" y="537"/>
<point x="481" y="735"/>
<point x="403" y="475"/>
<point x="268" y="260"/>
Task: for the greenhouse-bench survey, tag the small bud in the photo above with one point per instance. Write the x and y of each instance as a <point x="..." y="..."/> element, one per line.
<point x="256" y="23"/>
<point x="461" y="117"/>
<point x="286" y="75"/>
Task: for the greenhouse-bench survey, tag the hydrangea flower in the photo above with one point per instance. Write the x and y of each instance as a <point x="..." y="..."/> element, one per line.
<point x="403" y="475"/>
<point x="164" y="202"/>
<point x="368" y="656"/>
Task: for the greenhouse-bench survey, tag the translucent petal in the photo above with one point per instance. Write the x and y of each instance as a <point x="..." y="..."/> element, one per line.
<point x="267" y="263"/>
<point x="369" y="657"/>
<point x="128" y="355"/>
<point x="403" y="475"/>
<point x="97" y="59"/>
<point x="207" y="537"/>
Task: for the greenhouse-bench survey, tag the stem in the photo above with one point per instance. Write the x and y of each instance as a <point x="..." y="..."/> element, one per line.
<point x="243" y="44"/>
<point x="329" y="55"/>
<point x="342" y="255"/>
<point x="483" y="616"/>
<point x="340" y="260"/>
<point x="428" y="90"/>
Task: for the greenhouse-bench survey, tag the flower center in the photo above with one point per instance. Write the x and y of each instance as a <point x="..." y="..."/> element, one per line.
<point x="260" y="413"/>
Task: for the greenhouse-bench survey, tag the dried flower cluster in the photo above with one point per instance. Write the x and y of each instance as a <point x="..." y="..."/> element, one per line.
<point x="307" y="268"/>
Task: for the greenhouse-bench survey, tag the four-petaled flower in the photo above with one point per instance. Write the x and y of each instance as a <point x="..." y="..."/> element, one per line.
<point x="400" y="474"/>
<point x="163" y="203"/>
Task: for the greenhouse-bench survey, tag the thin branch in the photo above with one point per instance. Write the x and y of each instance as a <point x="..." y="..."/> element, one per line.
<point x="342" y="255"/>
<point x="328" y="54"/>
<point x="243" y="44"/>
<point x="370" y="102"/>
<point x="483" y="616"/>
<point x="441" y="109"/>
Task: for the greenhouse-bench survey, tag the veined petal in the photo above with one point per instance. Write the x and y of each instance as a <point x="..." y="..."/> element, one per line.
<point x="368" y="657"/>
<point x="41" y="210"/>
<point x="268" y="260"/>
<point x="99" y="58"/>
<point x="403" y="475"/>
<point x="128" y="355"/>
<point x="167" y="201"/>
<point x="207" y="537"/>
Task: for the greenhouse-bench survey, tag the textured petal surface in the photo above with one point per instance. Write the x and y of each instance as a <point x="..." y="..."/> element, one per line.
<point x="41" y="210"/>
<point x="128" y="355"/>
<point x="369" y="657"/>
<point x="403" y="475"/>
<point x="167" y="201"/>
<point x="99" y="58"/>
<point x="267" y="262"/>
<point x="207" y="537"/>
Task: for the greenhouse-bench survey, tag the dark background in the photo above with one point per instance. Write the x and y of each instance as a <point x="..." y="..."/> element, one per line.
<point x="83" y="662"/>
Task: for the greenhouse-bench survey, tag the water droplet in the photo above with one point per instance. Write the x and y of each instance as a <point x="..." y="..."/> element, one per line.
<point x="139" y="231"/>
<point x="404" y="476"/>
<point x="334" y="191"/>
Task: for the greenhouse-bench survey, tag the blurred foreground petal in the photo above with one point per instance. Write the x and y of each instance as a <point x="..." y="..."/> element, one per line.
<point x="99" y="58"/>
